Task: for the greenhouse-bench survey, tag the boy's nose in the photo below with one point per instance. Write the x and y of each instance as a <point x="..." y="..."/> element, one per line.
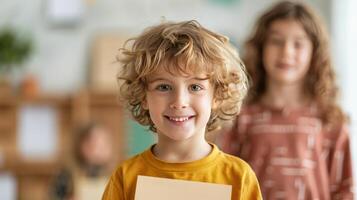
<point x="180" y="100"/>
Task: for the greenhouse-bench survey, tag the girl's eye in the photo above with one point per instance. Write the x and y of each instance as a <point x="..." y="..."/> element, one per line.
<point x="195" y="87"/>
<point x="299" y="44"/>
<point x="163" y="87"/>
<point x="275" y="41"/>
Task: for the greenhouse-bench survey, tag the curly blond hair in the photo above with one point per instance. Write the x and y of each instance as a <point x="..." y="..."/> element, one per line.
<point x="184" y="47"/>
<point x="320" y="82"/>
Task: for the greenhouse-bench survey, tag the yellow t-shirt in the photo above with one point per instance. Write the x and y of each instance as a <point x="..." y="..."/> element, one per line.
<point x="217" y="167"/>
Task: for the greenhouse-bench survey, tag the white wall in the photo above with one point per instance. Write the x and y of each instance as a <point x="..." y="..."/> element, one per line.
<point x="62" y="55"/>
<point x="344" y="43"/>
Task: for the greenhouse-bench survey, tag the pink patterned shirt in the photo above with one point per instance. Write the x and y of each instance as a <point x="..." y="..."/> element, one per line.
<point x="292" y="153"/>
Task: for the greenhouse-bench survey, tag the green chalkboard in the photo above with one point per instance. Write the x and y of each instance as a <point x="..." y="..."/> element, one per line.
<point x="139" y="138"/>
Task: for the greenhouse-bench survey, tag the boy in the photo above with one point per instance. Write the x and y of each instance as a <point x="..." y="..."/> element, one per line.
<point x="182" y="80"/>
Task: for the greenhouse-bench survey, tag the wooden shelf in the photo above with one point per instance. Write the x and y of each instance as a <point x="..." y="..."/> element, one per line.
<point x="33" y="176"/>
<point x="25" y="167"/>
<point x="7" y="100"/>
<point x="48" y="100"/>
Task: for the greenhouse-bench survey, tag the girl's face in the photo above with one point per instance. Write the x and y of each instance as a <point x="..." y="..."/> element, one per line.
<point x="287" y="52"/>
<point x="179" y="106"/>
<point x="96" y="148"/>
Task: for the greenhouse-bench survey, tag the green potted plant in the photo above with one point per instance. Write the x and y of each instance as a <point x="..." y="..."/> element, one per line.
<point x="14" y="50"/>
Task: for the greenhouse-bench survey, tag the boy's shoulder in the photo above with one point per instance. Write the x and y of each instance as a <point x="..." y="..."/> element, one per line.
<point x="131" y="163"/>
<point x="235" y="167"/>
<point x="235" y="163"/>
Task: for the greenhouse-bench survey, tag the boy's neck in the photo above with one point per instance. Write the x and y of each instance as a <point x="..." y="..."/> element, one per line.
<point x="285" y="96"/>
<point x="180" y="152"/>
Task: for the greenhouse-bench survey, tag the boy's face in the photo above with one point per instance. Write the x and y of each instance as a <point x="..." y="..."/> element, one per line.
<point x="179" y="106"/>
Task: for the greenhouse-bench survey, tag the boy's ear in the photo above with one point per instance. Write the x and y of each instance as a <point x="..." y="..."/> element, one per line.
<point x="215" y="104"/>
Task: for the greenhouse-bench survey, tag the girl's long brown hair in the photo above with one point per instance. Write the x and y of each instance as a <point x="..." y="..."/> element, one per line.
<point x="320" y="82"/>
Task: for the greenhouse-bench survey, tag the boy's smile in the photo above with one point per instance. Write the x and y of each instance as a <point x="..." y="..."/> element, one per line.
<point x="179" y="120"/>
<point x="179" y="105"/>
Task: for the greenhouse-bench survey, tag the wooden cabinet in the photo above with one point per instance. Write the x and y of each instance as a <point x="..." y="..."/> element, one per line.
<point x="8" y="108"/>
<point x="34" y="175"/>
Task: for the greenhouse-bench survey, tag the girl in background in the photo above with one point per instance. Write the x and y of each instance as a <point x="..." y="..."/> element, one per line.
<point x="84" y="177"/>
<point x="292" y="130"/>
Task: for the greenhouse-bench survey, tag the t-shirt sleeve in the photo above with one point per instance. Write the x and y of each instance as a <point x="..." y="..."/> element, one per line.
<point x="114" y="189"/>
<point x="250" y="186"/>
<point x="340" y="166"/>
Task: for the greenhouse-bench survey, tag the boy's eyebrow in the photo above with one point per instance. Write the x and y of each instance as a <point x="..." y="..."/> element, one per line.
<point x="165" y="79"/>
<point x="201" y="78"/>
<point x="157" y="79"/>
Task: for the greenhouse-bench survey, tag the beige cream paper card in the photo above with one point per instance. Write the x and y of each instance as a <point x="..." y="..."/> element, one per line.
<point x="153" y="188"/>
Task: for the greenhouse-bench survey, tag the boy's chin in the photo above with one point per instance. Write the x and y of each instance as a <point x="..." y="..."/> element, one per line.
<point x="176" y="137"/>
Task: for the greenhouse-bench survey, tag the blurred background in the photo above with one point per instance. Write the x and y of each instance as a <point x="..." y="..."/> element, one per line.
<point x="58" y="75"/>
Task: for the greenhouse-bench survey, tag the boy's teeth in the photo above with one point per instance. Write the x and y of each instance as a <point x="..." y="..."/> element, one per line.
<point x="178" y="119"/>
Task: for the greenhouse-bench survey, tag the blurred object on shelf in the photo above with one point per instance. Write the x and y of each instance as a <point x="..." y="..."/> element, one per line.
<point x="29" y="87"/>
<point x="14" y="50"/>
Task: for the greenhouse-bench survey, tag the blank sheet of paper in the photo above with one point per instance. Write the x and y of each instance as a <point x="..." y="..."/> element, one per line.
<point x="38" y="128"/>
<point x="153" y="188"/>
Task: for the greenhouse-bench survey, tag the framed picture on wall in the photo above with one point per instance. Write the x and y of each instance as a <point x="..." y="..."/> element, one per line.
<point x="64" y="12"/>
<point x="104" y="65"/>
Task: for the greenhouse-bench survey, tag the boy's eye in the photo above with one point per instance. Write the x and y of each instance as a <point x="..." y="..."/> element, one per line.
<point x="195" y="87"/>
<point x="163" y="87"/>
